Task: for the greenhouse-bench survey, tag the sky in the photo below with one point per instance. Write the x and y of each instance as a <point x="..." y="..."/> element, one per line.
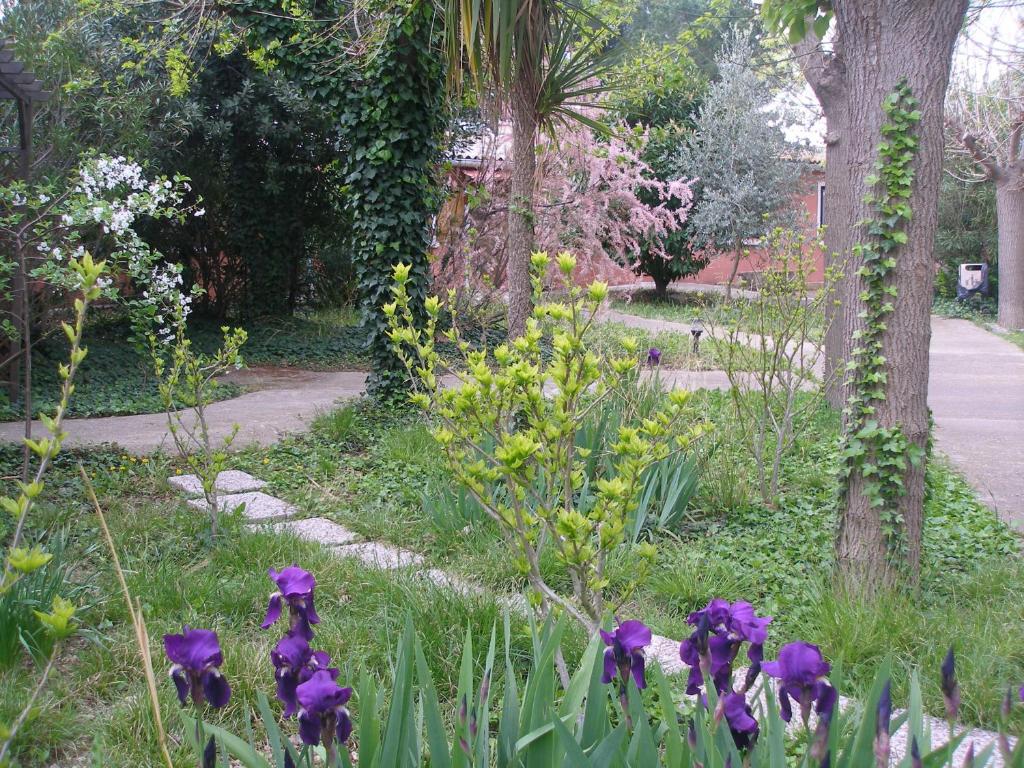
<point x="995" y="32"/>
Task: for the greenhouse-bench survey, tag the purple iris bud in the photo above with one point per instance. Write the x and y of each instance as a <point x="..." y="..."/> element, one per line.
<point x="969" y="757"/>
<point x="654" y="356"/>
<point x="625" y="653"/>
<point x="800" y="670"/>
<point x="195" y="657"/>
<point x="915" y="753"/>
<point x="294" y="588"/>
<point x="884" y="709"/>
<point x="949" y="685"/>
<point x="741" y="720"/>
<point x="322" y="713"/>
<point x="825" y="706"/>
<point x="1021" y="693"/>
<point x="882" y="746"/>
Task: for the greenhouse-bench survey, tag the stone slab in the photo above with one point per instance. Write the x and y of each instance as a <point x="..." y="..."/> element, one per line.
<point x="228" y="481"/>
<point x="665" y="651"/>
<point x="448" y="581"/>
<point x="380" y="556"/>
<point x="259" y="507"/>
<point x="319" y="529"/>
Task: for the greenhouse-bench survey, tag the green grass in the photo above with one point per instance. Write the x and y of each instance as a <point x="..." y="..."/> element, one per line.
<point x="365" y="466"/>
<point x="676" y="308"/>
<point x="684" y="308"/>
<point x="98" y="701"/>
<point x="116" y="379"/>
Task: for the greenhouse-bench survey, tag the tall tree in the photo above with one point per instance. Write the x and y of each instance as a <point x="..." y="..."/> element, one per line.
<point x="879" y="46"/>
<point x="737" y="151"/>
<point x="990" y="121"/>
<point x="540" y="60"/>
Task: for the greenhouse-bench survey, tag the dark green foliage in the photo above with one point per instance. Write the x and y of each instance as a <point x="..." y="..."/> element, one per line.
<point x="392" y="120"/>
<point x="966" y="231"/>
<point x="685" y="259"/>
<point x="263" y="158"/>
<point x="116" y="379"/>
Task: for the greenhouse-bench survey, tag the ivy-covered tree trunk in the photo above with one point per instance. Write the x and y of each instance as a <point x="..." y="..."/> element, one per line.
<point x="393" y="120"/>
<point x="520" y="205"/>
<point x="878" y="44"/>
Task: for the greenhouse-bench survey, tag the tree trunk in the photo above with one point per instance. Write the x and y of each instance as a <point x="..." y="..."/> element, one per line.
<point x="839" y="242"/>
<point x="520" y="208"/>
<point x="660" y="286"/>
<point x="736" y="256"/>
<point x="877" y="44"/>
<point x="1010" y="225"/>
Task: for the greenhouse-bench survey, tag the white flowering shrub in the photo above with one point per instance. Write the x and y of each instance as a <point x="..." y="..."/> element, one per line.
<point x="96" y="210"/>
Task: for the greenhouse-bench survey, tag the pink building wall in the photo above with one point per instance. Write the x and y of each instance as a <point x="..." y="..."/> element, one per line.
<point x="807" y="199"/>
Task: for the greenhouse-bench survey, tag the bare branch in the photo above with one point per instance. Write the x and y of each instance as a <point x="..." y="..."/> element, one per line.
<point x="823" y="70"/>
<point x="971" y="143"/>
<point x="1013" y="151"/>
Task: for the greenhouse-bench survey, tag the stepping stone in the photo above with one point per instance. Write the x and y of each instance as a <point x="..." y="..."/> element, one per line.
<point x="320" y="529"/>
<point x="665" y="651"/>
<point x="450" y="582"/>
<point x="380" y="555"/>
<point x="228" y="481"/>
<point x="259" y="507"/>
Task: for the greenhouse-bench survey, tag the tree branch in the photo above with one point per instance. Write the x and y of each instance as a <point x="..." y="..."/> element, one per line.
<point x="970" y="142"/>
<point x="823" y="71"/>
<point x="1015" y="133"/>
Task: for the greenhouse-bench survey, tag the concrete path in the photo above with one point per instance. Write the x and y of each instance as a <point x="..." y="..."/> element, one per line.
<point x="287" y="403"/>
<point x="976" y="392"/>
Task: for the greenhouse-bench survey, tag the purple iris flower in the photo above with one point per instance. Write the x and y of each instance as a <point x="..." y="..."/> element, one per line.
<point x="800" y="670"/>
<point x="322" y="714"/>
<point x="294" y="663"/>
<point x="741" y="720"/>
<point x="195" y="657"/>
<point x="730" y="625"/>
<point x="294" y="587"/>
<point x="625" y="652"/>
<point x="654" y="356"/>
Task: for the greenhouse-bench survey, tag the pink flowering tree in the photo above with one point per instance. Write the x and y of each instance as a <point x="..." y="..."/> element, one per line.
<point x="595" y="196"/>
<point x="599" y="198"/>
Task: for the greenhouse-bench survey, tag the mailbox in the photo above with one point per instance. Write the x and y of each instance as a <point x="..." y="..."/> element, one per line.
<point x="972" y="279"/>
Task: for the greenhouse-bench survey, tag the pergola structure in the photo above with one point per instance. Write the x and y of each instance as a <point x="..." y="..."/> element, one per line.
<point x="24" y="88"/>
<point x="26" y="91"/>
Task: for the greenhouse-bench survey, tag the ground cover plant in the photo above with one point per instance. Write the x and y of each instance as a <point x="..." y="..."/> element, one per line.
<point x="116" y="378"/>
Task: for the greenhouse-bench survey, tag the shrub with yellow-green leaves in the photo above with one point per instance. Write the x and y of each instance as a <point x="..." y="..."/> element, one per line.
<point x="509" y="420"/>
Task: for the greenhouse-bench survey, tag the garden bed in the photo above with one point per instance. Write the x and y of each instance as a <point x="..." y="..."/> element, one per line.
<point x="369" y="468"/>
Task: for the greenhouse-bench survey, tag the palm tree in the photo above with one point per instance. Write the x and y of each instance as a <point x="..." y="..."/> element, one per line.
<point x="540" y="60"/>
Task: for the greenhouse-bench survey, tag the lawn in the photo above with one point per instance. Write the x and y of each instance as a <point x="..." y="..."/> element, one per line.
<point x="711" y="309"/>
<point x="371" y="467"/>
